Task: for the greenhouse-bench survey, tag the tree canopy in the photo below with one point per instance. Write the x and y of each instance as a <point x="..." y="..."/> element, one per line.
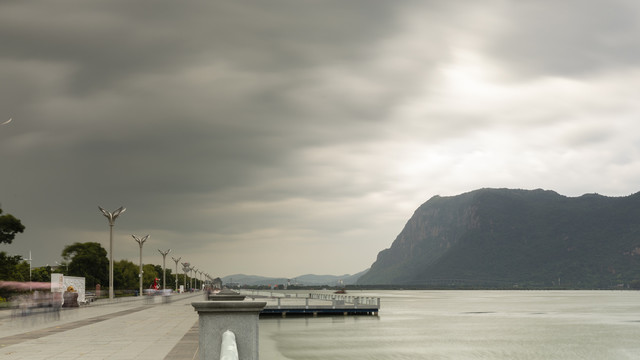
<point x="88" y="260"/>
<point x="150" y="274"/>
<point x="9" y="227"/>
<point x="10" y="268"/>
<point x="125" y="275"/>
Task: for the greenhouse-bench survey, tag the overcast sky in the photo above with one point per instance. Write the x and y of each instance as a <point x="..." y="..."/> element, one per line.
<point x="288" y="137"/>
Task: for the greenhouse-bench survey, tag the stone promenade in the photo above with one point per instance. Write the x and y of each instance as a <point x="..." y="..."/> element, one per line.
<point x="136" y="328"/>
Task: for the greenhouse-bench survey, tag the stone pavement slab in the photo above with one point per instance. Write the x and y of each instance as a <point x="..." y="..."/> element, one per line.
<point x="187" y="347"/>
<point x="136" y="330"/>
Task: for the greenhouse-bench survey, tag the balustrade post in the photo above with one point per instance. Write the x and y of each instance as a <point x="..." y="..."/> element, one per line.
<point x="216" y="317"/>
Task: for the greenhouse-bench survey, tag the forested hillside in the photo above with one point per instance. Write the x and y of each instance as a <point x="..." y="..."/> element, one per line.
<point x="516" y="238"/>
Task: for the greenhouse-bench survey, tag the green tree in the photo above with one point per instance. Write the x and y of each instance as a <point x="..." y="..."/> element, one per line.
<point x="9" y="267"/>
<point x="11" y="270"/>
<point x="61" y="268"/>
<point x="22" y="271"/>
<point x="88" y="260"/>
<point x="150" y="274"/>
<point x="9" y="227"/>
<point x="171" y="278"/>
<point x="125" y="275"/>
<point x="42" y="274"/>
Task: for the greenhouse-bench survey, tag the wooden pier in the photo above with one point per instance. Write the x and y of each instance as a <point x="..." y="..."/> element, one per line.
<point x="315" y="304"/>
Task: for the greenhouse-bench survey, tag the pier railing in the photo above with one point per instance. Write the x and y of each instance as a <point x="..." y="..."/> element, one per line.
<point x="341" y="299"/>
<point x="346" y="299"/>
<point x="314" y="304"/>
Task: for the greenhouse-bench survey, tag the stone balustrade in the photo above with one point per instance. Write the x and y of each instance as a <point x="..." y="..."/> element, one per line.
<point x="239" y="317"/>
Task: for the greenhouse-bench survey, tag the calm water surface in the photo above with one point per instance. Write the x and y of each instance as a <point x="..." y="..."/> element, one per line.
<point x="467" y="325"/>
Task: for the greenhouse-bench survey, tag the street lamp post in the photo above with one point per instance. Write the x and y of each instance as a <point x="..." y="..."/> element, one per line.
<point x="140" y="242"/>
<point x="112" y="218"/>
<point x="29" y="260"/>
<point x="197" y="278"/>
<point x="191" y="283"/>
<point x="185" y="268"/>
<point x="164" y="274"/>
<point x="176" y="261"/>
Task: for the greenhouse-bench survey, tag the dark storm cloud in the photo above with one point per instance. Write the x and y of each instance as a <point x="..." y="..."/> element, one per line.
<point x="108" y="41"/>
<point x="254" y="129"/>
<point x="164" y="108"/>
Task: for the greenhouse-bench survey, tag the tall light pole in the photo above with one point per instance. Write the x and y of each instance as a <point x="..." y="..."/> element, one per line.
<point x="200" y="272"/>
<point x="140" y="242"/>
<point x="112" y="218"/>
<point x="29" y="260"/>
<point x="164" y="274"/>
<point x="192" y="269"/>
<point x="176" y="261"/>
<point x="185" y="268"/>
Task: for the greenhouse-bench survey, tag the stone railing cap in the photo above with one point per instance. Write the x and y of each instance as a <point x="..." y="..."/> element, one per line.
<point x="228" y="306"/>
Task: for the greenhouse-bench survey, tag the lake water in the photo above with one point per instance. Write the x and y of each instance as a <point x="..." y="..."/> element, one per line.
<point x="467" y="325"/>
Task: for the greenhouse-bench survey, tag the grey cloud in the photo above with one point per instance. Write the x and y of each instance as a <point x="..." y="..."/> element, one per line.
<point x="568" y="38"/>
<point x="107" y="42"/>
<point x="244" y="122"/>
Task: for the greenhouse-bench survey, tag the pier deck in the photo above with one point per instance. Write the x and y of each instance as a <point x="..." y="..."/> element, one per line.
<point x="314" y="304"/>
<point x="317" y="310"/>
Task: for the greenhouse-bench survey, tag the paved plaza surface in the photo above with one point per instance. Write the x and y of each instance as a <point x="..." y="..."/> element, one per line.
<point x="137" y="328"/>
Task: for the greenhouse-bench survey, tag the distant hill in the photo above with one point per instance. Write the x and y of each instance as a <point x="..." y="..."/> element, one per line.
<point x="507" y="238"/>
<point x="306" y="280"/>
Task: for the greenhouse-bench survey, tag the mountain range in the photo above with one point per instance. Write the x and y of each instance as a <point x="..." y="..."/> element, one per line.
<point x="515" y="238"/>
<point x="303" y="280"/>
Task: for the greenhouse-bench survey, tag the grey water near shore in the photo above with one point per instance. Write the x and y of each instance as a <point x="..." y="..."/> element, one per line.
<point x="467" y="325"/>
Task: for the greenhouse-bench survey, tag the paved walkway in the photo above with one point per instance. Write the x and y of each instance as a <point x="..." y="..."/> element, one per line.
<point x="136" y="329"/>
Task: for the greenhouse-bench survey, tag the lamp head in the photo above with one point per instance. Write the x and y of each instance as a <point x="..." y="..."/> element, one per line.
<point x="112" y="216"/>
<point x="139" y="240"/>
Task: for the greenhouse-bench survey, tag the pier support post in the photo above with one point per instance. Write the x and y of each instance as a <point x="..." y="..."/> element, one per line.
<point x="216" y="317"/>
